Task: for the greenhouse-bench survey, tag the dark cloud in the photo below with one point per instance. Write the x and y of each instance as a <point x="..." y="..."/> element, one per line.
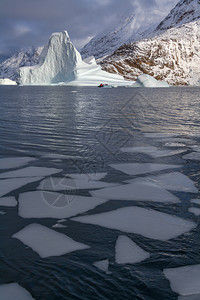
<point x="25" y="23"/>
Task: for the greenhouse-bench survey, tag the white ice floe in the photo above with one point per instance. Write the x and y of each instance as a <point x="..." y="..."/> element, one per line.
<point x="172" y="145"/>
<point x="58" y="225"/>
<point x="195" y="211"/>
<point x="143" y="168"/>
<point x="9" y="185"/>
<point x="63" y="183"/>
<point x="139" y="190"/>
<point x="61" y="221"/>
<point x="40" y="204"/>
<point x="196" y="148"/>
<point x="175" y="181"/>
<point x="152" y="151"/>
<point x="88" y="176"/>
<point x="15" y="162"/>
<point x="103" y="265"/>
<point x="147" y="81"/>
<point x="184" y="281"/>
<point x="192" y="156"/>
<point x="2" y="212"/>
<point x="47" y="242"/>
<point x="149" y="223"/>
<point x="61" y="156"/>
<point x="30" y="172"/>
<point x="158" y="135"/>
<point x="196" y="201"/>
<point x="8" y="201"/>
<point x="177" y="140"/>
<point x="7" y="81"/>
<point x="128" y="252"/>
<point x="11" y="291"/>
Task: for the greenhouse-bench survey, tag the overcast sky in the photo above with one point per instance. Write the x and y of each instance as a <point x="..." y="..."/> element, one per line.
<point x="25" y="23"/>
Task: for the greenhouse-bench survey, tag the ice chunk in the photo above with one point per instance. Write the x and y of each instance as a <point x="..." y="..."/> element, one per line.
<point x="8" y="201"/>
<point x="196" y="148"/>
<point x="62" y="183"/>
<point x="175" y="181"/>
<point x="196" y="201"/>
<point x="9" y="185"/>
<point x="192" y="156"/>
<point x="13" y="291"/>
<point x="55" y="205"/>
<point x="140" y="190"/>
<point x="152" y="151"/>
<point x="61" y="221"/>
<point x="88" y="176"/>
<point x="145" y="80"/>
<point x="14" y="162"/>
<point x="174" y="145"/>
<point x="177" y="140"/>
<point x="184" y="280"/>
<point x="195" y="211"/>
<point x="58" y="226"/>
<point x="7" y="81"/>
<point x="30" y="172"/>
<point x="2" y="212"/>
<point x="103" y="265"/>
<point x="158" y="135"/>
<point x="127" y="252"/>
<point x="47" y="242"/>
<point x="138" y="169"/>
<point x="149" y="223"/>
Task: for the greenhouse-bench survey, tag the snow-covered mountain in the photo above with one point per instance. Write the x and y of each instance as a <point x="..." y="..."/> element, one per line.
<point x="29" y="57"/>
<point x="131" y="28"/>
<point x="169" y="54"/>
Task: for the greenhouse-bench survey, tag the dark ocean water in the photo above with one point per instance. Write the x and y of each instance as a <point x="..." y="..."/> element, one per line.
<point x="93" y="124"/>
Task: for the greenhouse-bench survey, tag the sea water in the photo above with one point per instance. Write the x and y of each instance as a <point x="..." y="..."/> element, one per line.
<point x="99" y="193"/>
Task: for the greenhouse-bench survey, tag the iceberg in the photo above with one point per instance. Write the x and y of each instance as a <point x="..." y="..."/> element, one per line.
<point x="7" y="81"/>
<point x="60" y="63"/>
<point x="145" y="80"/>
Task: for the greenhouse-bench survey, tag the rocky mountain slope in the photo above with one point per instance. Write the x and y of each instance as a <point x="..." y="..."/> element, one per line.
<point x="171" y="54"/>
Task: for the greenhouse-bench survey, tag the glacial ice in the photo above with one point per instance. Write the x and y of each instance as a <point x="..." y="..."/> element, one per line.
<point x="9" y="185"/>
<point x="175" y="181"/>
<point x="139" y="190"/>
<point x="149" y="223"/>
<point x="47" y="242"/>
<point x="63" y="183"/>
<point x="142" y="168"/>
<point x="195" y="211"/>
<point x="103" y="265"/>
<point x="14" y="162"/>
<point x="40" y="204"/>
<point x="11" y="291"/>
<point x="60" y="63"/>
<point x="152" y="151"/>
<point x="30" y="172"/>
<point x="7" y="81"/>
<point x="192" y="156"/>
<point x="88" y="176"/>
<point x="185" y="280"/>
<point x="8" y="201"/>
<point x="128" y="252"/>
<point x="145" y="80"/>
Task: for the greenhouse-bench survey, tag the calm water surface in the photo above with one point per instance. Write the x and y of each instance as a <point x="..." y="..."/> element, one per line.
<point x="89" y="126"/>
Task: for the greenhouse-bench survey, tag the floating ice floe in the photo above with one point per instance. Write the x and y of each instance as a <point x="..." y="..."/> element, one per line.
<point x="58" y="225"/>
<point x="128" y="252"/>
<point x="61" y="64"/>
<point x="63" y="183"/>
<point x="192" y="156"/>
<point x="47" y="242"/>
<point x="11" y="291"/>
<point x="7" y="81"/>
<point x="174" y="145"/>
<point x="142" y="168"/>
<point x="40" y="204"/>
<point x="2" y="213"/>
<point x="15" y="162"/>
<point x="184" y="281"/>
<point x="149" y="223"/>
<point x="30" y="172"/>
<point x="195" y="211"/>
<point x="103" y="265"/>
<point x="139" y="190"/>
<point x="196" y="201"/>
<point x="147" y="81"/>
<point x="196" y="148"/>
<point x="159" y="135"/>
<point x="8" y="201"/>
<point x="88" y="176"/>
<point x="152" y="151"/>
<point x="175" y="181"/>
<point x="61" y="156"/>
<point x="9" y="185"/>
<point x="177" y="140"/>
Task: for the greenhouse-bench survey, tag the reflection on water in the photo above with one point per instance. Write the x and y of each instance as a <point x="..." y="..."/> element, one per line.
<point x="89" y="126"/>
